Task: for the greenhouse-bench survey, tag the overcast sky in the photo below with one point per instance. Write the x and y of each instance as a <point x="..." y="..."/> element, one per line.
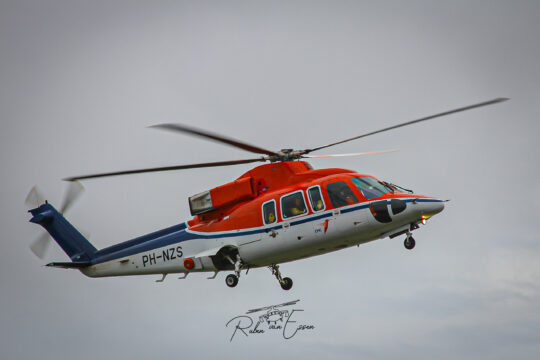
<point x="80" y="81"/>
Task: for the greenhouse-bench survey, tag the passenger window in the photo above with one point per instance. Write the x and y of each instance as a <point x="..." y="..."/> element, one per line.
<point x="269" y="212"/>
<point x="340" y="194"/>
<point x="293" y="205"/>
<point x="315" y="198"/>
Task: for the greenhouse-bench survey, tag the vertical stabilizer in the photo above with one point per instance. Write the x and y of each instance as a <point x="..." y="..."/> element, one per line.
<point x="70" y="239"/>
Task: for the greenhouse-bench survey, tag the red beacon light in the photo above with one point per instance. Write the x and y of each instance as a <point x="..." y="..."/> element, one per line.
<point x="189" y="263"/>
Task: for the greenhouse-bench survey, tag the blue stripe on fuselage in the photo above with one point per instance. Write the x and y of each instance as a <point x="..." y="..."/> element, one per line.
<point x="177" y="234"/>
<point x="131" y="247"/>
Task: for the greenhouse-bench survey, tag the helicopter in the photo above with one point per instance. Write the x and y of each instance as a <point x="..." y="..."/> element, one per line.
<point x="278" y="212"/>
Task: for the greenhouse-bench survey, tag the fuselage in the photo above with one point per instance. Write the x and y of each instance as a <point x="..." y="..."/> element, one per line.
<point x="295" y="213"/>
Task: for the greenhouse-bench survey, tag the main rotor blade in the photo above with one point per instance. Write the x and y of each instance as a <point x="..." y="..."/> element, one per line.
<point x="215" y="137"/>
<point x="485" y="103"/>
<point x="351" y="154"/>
<point x="166" y="168"/>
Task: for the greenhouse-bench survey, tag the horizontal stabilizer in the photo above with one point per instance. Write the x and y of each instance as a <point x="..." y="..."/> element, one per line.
<point x="69" y="265"/>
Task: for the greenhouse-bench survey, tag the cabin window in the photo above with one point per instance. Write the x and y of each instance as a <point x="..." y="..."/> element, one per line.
<point x="340" y="194"/>
<point x="293" y="205"/>
<point x="315" y="198"/>
<point x="370" y="188"/>
<point x="269" y="212"/>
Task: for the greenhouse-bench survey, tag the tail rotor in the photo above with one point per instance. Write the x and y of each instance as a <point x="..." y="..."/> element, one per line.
<point x="35" y="199"/>
<point x="40" y="245"/>
<point x="73" y="192"/>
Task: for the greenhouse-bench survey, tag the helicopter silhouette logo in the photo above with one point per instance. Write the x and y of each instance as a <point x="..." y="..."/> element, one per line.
<point x="273" y="314"/>
<point x="276" y="319"/>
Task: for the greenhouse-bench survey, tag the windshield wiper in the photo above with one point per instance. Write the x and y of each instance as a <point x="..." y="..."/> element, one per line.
<point x="391" y="186"/>
<point x="386" y="185"/>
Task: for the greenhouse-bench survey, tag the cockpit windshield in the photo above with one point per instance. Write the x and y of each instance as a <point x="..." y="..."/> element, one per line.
<point x="370" y="188"/>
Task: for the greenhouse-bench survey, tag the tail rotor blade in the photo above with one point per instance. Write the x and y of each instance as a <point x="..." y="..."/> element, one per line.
<point x="39" y="247"/>
<point x="74" y="191"/>
<point x="34" y="198"/>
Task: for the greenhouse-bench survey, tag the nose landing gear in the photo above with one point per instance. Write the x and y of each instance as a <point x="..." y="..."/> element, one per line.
<point x="286" y="284"/>
<point x="409" y="242"/>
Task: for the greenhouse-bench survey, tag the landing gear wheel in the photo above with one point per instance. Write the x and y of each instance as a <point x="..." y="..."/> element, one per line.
<point x="409" y="243"/>
<point x="231" y="280"/>
<point x="286" y="284"/>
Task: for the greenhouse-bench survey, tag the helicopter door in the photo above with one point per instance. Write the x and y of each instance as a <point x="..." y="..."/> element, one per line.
<point x="317" y="204"/>
<point x="269" y="214"/>
<point x="315" y="199"/>
<point x="345" y="217"/>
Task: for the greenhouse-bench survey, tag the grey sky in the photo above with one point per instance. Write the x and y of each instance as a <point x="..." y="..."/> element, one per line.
<point x="81" y="81"/>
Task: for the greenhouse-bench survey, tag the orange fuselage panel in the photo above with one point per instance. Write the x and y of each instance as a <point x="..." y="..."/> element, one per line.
<point x="240" y="201"/>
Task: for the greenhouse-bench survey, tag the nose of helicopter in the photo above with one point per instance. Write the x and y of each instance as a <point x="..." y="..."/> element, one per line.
<point x="432" y="207"/>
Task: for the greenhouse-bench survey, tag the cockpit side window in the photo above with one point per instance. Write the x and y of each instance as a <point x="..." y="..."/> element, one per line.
<point x="379" y="209"/>
<point x="269" y="212"/>
<point x="315" y="198"/>
<point x="340" y="194"/>
<point x="293" y="205"/>
<point x="369" y="187"/>
<point x="397" y="206"/>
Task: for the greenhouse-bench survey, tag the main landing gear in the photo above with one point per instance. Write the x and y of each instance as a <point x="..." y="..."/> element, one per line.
<point x="286" y="283"/>
<point x="232" y="279"/>
<point x="409" y="242"/>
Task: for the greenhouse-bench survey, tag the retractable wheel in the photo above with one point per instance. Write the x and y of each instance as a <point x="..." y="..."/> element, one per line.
<point x="231" y="280"/>
<point x="286" y="284"/>
<point x="409" y="243"/>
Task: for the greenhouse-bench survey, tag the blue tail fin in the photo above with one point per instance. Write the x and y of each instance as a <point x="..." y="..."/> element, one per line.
<point x="70" y="239"/>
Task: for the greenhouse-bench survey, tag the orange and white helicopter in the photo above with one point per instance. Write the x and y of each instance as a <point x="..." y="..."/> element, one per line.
<point x="275" y="213"/>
